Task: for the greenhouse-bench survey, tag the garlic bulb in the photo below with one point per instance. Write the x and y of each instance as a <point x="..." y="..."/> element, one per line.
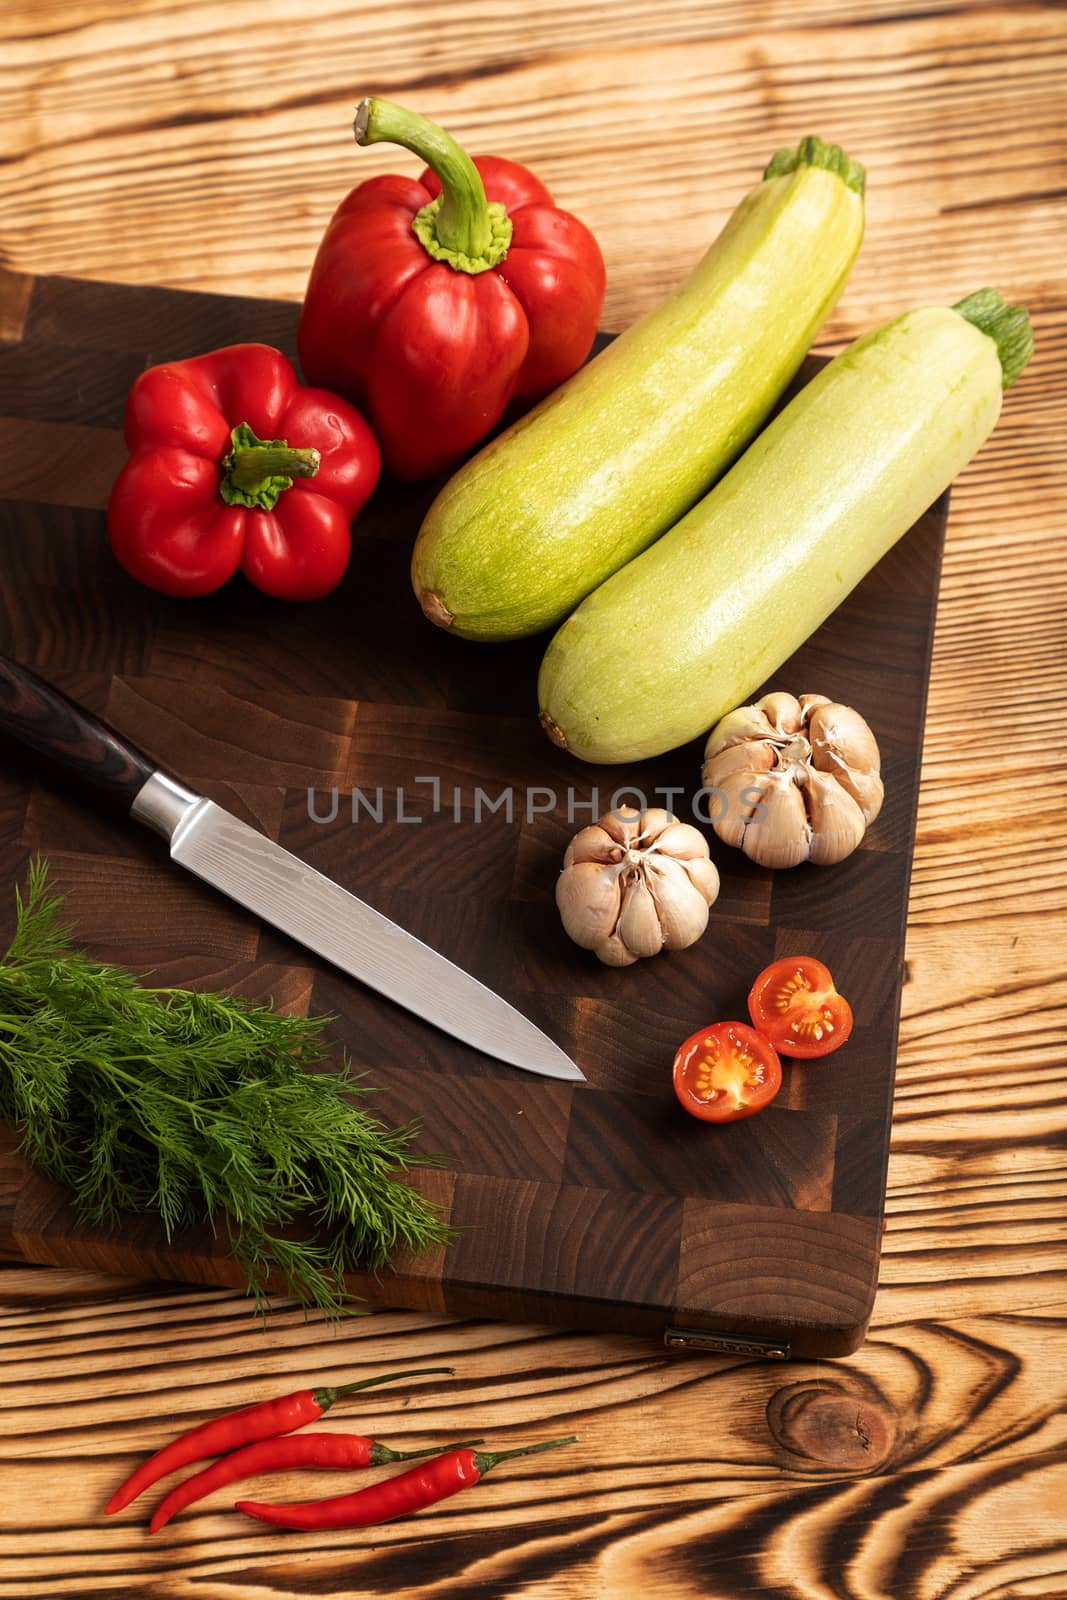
<point x="809" y="767"/>
<point x="634" y="883"/>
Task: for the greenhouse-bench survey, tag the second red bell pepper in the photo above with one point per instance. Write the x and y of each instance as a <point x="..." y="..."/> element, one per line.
<point x="233" y="465"/>
<point x="433" y="302"/>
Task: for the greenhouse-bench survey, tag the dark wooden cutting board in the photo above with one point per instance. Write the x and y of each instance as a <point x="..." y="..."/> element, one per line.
<point x="597" y="1206"/>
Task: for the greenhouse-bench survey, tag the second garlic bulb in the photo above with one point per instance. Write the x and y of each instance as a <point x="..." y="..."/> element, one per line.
<point x="799" y="779"/>
<point x="635" y="883"/>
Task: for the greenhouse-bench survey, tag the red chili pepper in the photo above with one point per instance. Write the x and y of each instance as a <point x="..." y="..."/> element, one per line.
<point x="432" y="303"/>
<point x="234" y="465"/>
<point x="266" y="1420"/>
<point x="339" y="1450"/>
<point x="396" y="1497"/>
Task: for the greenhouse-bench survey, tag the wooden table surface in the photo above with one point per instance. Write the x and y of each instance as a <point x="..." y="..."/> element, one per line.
<point x="204" y="145"/>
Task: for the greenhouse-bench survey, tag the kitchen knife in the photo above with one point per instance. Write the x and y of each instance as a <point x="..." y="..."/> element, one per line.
<point x="280" y="888"/>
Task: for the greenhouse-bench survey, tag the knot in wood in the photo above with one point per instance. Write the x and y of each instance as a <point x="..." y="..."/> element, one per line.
<point x="829" y="1428"/>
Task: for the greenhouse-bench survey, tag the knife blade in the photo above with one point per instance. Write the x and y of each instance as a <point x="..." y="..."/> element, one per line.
<point x="270" y="881"/>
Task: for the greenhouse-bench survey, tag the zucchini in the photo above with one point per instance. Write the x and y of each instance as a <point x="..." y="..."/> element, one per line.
<point x="694" y="626"/>
<point x="611" y="459"/>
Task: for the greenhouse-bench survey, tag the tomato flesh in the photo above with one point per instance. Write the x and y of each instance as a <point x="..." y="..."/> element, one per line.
<point x="726" y="1072"/>
<point x="795" y="1004"/>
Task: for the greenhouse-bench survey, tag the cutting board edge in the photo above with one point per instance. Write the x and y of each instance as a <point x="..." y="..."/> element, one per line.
<point x="52" y="1238"/>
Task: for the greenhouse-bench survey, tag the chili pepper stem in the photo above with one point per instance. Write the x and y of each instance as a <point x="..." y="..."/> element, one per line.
<point x="484" y="1460"/>
<point x="460" y="227"/>
<point x="382" y="1456"/>
<point x="326" y="1395"/>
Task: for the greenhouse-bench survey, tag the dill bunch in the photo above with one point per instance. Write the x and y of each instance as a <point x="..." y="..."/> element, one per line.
<point x="199" y="1108"/>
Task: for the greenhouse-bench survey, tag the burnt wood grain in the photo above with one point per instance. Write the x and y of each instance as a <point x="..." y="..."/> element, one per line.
<point x="410" y="767"/>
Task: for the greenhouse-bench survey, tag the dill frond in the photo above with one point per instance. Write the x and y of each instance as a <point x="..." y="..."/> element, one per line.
<point x="199" y="1108"/>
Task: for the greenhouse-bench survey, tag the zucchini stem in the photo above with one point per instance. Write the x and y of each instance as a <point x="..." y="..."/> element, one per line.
<point x="813" y="152"/>
<point x="1007" y="326"/>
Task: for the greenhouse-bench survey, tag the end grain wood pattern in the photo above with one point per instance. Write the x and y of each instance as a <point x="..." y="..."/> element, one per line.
<point x="410" y="767"/>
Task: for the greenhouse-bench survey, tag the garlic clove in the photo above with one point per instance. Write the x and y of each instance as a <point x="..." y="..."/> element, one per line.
<point x="614" y="953"/>
<point x="755" y="755"/>
<point x="688" y="847"/>
<point x="839" y="731"/>
<point x="682" y="841"/>
<point x="654" y="822"/>
<point x="589" y="897"/>
<point x="780" y="834"/>
<point x="680" y="906"/>
<point x="782" y="712"/>
<point x="837" y="823"/>
<point x="623" y="825"/>
<point x="592" y="844"/>
<point x="808" y="703"/>
<point x="732" y="812"/>
<point x="865" y="788"/>
<point x="639" y="926"/>
<point x="747" y="722"/>
<point x="703" y="872"/>
<point x="843" y="744"/>
<point x="870" y="795"/>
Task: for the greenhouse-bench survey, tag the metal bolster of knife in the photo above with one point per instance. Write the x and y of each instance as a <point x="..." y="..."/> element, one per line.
<point x="165" y="805"/>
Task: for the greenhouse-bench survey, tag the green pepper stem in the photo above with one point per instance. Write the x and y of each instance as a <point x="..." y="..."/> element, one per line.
<point x="325" y="1397"/>
<point x="460" y="226"/>
<point x="257" y="471"/>
<point x="248" y="468"/>
<point x="484" y="1461"/>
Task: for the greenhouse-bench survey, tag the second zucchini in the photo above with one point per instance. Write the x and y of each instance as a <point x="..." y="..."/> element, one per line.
<point x="695" y="625"/>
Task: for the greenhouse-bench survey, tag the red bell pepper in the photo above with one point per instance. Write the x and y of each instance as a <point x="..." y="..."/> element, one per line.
<point x="433" y="302"/>
<point x="234" y="465"/>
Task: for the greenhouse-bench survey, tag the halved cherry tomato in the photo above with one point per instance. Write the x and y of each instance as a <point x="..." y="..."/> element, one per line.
<point x="726" y="1072"/>
<point x="794" y="1002"/>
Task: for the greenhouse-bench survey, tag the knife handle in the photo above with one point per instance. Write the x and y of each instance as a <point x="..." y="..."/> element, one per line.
<point x="46" y="722"/>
